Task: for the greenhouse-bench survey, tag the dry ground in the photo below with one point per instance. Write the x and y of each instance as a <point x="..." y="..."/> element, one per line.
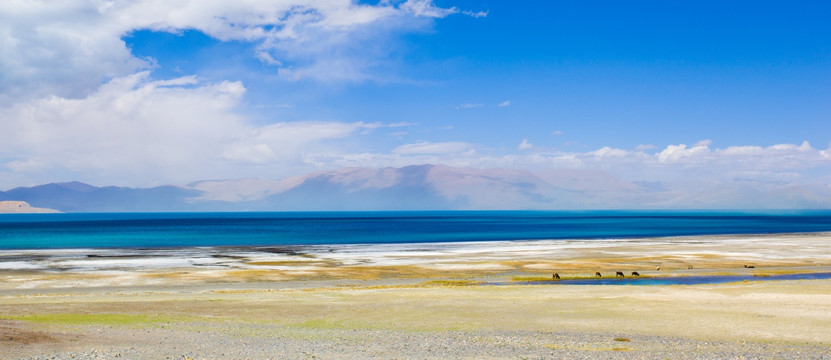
<point x="435" y="307"/>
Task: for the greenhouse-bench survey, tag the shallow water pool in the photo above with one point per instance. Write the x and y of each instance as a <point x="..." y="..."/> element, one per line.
<point x="678" y="280"/>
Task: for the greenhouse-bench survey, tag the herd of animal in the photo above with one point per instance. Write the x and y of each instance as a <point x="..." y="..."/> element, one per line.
<point x="556" y="276"/>
<point x="620" y="274"/>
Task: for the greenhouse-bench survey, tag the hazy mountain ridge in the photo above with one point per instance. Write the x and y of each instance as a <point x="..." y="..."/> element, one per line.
<point x="422" y="187"/>
<point x="79" y="197"/>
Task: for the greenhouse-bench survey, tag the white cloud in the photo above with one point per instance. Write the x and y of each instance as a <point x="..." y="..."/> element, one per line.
<point x="557" y="132"/>
<point x="136" y="131"/>
<point x="524" y="145"/>
<point x="77" y="104"/>
<point x="61" y="48"/>
<point x="27" y="165"/>
<point x="701" y="163"/>
<point x="743" y="150"/>
<point x="608" y="152"/>
<point x="69" y="48"/>
<point x="674" y="164"/>
<point x="781" y="175"/>
<point x="257" y="153"/>
<point x="678" y="153"/>
<point x="130" y="126"/>
<point x="287" y="142"/>
<point x="505" y="103"/>
<point x="433" y="148"/>
<point x="703" y="143"/>
<point x="426" y="8"/>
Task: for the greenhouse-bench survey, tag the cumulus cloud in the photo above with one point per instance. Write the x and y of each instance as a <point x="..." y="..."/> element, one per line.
<point x="129" y="124"/>
<point x="699" y="163"/>
<point x="678" y="153"/>
<point x="77" y="104"/>
<point x="680" y="164"/>
<point x="524" y="145"/>
<point x="69" y="48"/>
<point x="703" y="143"/>
<point x="137" y="131"/>
<point x="63" y="49"/>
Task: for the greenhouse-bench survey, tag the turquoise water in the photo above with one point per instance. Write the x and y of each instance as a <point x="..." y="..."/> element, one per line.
<point x="141" y="230"/>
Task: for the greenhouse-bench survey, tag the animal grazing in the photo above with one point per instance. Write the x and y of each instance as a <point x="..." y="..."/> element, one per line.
<point x="657" y="268"/>
<point x="635" y="273"/>
<point x="556" y="276"/>
<point x="749" y="267"/>
<point x="598" y="274"/>
<point x="689" y="267"/>
<point x="619" y="274"/>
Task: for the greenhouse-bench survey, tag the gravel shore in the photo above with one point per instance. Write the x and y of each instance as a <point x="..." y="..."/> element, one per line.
<point x="269" y="342"/>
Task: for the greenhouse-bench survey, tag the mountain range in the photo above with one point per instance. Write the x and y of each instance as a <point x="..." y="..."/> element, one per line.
<point x="420" y="187"/>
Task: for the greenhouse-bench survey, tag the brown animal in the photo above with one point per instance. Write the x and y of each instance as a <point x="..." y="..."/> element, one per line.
<point x="749" y="267"/>
<point x="556" y="276"/>
<point x="598" y="274"/>
<point x="657" y="268"/>
<point x="689" y="267"/>
<point x="619" y="274"/>
<point x="635" y="273"/>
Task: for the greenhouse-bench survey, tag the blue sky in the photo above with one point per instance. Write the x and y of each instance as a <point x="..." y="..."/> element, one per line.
<point x="140" y="93"/>
<point x="752" y="73"/>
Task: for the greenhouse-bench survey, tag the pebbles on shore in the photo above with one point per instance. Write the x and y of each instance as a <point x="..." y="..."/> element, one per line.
<point x="245" y="341"/>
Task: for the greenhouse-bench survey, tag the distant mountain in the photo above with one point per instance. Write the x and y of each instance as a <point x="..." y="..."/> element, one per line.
<point x="80" y="197"/>
<point x="417" y="187"/>
<point x="423" y="187"/>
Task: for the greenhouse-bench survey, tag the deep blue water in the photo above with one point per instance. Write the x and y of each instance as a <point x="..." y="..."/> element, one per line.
<point x="40" y="231"/>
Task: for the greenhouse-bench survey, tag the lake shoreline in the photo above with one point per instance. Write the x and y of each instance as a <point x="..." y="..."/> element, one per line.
<point x="422" y="301"/>
<point x="759" y="255"/>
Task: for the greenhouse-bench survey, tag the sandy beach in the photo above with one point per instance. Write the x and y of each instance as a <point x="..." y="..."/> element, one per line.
<point x="450" y="300"/>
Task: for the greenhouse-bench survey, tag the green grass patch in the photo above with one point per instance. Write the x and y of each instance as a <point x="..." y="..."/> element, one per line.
<point x="531" y="278"/>
<point x="99" y="319"/>
<point x="322" y="324"/>
<point x="450" y="283"/>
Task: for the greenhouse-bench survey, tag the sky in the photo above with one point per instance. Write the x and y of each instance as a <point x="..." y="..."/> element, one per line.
<point x="144" y="92"/>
